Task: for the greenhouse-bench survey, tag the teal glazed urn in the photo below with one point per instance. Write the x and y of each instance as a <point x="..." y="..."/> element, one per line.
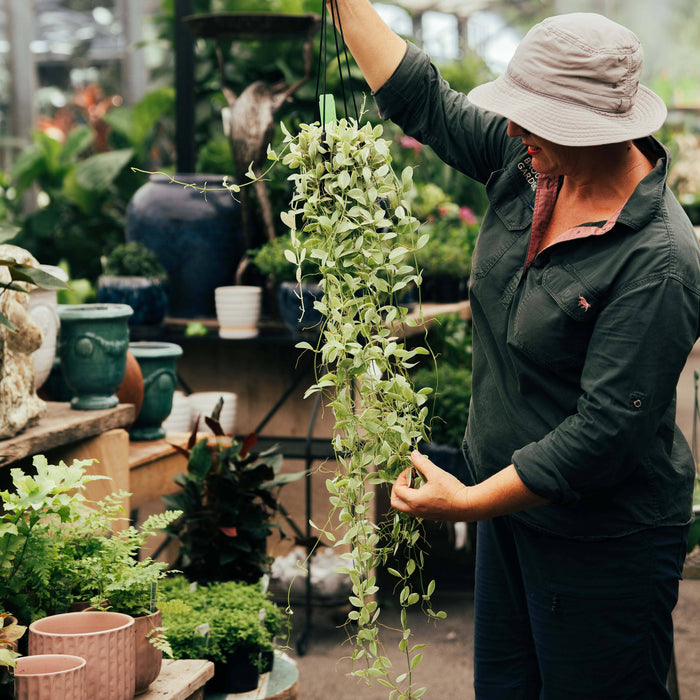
<point x="158" y="367"/>
<point x="93" y="342"/>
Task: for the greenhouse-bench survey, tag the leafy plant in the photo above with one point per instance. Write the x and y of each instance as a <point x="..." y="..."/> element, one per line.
<point x="56" y="548"/>
<point x="228" y="502"/>
<point x="216" y="620"/>
<point x="10" y="632"/>
<point x="350" y="215"/>
<point x="134" y="259"/>
<point x="31" y="512"/>
<point x="271" y="260"/>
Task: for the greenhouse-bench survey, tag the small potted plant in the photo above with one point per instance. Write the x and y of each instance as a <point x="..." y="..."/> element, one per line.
<point x="294" y="299"/>
<point x="231" y="623"/>
<point x="133" y="275"/>
<point x="228" y="503"/>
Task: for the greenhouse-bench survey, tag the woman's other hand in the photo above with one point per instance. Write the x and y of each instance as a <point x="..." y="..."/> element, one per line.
<point x="440" y="497"/>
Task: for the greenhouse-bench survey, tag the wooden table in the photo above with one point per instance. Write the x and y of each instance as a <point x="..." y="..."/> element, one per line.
<point x="180" y="680"/>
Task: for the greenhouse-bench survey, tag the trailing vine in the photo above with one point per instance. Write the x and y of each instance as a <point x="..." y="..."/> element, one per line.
<point x="349" y="215"/>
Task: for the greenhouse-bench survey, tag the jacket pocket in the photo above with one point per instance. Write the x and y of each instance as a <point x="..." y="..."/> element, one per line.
<point x="554" y="318"/>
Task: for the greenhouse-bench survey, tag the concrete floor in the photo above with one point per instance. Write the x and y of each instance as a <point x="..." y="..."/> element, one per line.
<point x="447" y="668"/>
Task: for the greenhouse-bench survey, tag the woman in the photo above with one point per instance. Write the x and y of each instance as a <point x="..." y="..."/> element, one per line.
<point x="585" y="296"/>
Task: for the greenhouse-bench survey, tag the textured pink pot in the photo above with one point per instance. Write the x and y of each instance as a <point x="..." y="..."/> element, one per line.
<point x="104" y="639"/>
<point x="148" y="658"/>
<point x="51" y="677"/>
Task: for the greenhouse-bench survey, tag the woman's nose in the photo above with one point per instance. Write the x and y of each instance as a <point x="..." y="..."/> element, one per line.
<point x="514" y="129"/>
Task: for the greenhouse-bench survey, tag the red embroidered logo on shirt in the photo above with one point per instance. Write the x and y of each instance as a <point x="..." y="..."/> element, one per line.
<point x="583" y="303"/>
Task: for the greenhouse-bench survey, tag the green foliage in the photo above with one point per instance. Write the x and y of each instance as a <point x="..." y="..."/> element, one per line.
<point x="56" y="548"/>
<point x="228" y="502"/>
<point x="134" y="259"/>
<point x="351" y="216"/>
<point x="81" y="209"/>
<point x="271" y="260"/>
<point x="213" y="621"/>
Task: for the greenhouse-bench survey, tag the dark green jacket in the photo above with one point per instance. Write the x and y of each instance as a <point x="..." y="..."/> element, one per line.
<point x="576" y="357"/>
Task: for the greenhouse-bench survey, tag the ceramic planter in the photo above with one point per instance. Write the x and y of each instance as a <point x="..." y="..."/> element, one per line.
<point x="43" y="308"/>
<point x="289" y="302"/>
<point x="148" y="658"/>
<point x="238" y="310"/>
<point x="180" y="418"/>
<point x="104" y="639"/>
<point x="51" y="677"/>
<point x="202" y="404"/>
<point x="157" y="361"/>
<point x="198" y="239"/>
<point x="93" y="343"/>
<point x="148" y="297"/>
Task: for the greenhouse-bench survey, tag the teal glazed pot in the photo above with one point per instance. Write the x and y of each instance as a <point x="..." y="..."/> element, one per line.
<point x="158" y="366"/>
<point x="93" y="342"/>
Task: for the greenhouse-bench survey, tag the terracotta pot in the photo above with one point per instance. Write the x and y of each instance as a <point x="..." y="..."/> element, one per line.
<point x="148" y="658"/>
<point x="51" y="677"/>
<point x="131" y="389"/>
<point x="104" y="639"/>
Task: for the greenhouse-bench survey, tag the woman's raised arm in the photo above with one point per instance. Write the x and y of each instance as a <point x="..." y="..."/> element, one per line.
<point x="376" y="48"/>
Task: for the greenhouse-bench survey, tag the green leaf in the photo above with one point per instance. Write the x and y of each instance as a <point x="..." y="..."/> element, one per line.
<point x="98" y="173"/>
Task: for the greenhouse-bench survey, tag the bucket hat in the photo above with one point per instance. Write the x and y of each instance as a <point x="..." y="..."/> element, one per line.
<point x="574" y="80"/>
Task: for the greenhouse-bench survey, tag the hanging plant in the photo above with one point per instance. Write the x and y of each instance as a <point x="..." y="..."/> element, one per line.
<point x="350" y="217"/>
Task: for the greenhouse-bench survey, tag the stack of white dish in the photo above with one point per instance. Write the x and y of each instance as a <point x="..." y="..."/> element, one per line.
<point x="202" y="404"/>
<point x="238" y="310"/>
<point x="180" y="418"/>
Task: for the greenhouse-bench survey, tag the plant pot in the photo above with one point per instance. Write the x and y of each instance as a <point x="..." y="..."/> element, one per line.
<point x="180" y="418"/>
<point x="300" y="319"/>
<point x="157" y="362"/>
<point x="104" y="639"/>
<point x="43" y="308"/>
<point x="93" y="343"/>
<point x="198" y="239"/>
<point x="238" y="310"/>
<point x="148" y="297"/>
<point x="202" y="404"/>
<point x="148" y="659"/>
<point x="131" y="388"/>
<point x="238" y="674"/>
<point x="51" y="677"/>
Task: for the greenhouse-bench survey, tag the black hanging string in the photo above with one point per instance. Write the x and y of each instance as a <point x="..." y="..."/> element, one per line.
<point x="341" y="51"/>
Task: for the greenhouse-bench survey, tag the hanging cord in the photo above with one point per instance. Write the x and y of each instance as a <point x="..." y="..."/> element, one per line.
<point x="341" y="51"/>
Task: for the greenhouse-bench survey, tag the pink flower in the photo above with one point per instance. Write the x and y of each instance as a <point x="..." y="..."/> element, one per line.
<point x="467" y="215"/>
<point x="443" y="210"/>
<point x="410" y="142"/>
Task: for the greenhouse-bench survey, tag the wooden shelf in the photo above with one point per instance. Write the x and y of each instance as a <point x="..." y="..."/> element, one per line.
<point x="61" y="425"/>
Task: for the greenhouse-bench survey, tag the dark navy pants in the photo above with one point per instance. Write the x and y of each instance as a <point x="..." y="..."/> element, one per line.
<point x="562" y="619"/>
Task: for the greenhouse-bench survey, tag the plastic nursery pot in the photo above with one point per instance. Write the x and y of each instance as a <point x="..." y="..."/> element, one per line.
<point x="158" y="367"/>
<point x="93" y="343"/>
<point x="51" y="677"/>
<point x="104" y="639"/>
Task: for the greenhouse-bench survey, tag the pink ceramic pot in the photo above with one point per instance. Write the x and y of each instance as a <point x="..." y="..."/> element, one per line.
<point x="104" y="639"/>
<point x="51" y="677"/>
<point x="148" y="658"/>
